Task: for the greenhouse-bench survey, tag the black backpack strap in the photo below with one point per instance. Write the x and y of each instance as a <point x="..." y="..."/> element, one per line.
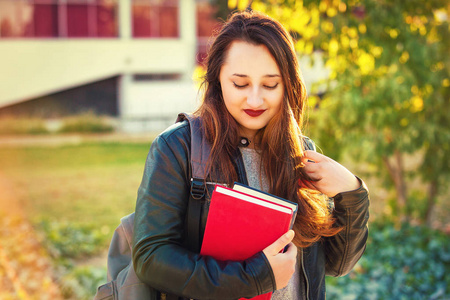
<point x="200" y="151"/>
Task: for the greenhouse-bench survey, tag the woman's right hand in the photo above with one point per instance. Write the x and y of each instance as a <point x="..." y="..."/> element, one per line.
<point x="282" y="263"/>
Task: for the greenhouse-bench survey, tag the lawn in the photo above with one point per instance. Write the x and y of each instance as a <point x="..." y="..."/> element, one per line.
<point x="73" y="196"/>
<point x="85" y="183"/>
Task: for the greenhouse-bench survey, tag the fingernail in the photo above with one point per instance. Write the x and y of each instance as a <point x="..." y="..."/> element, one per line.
<point x="290" y="234"/>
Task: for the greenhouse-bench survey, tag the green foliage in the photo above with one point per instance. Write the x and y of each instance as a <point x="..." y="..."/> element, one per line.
<point x="87" y="122"/>
<point x="389" y="87"/>
<point x="81" y="283"/>
<point x="410" y="262"/>
<point x="72" y="240"/>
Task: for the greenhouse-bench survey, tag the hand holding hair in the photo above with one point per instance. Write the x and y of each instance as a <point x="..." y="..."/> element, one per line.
<point x="283" y="264"/>
<point x="328" y="176"/>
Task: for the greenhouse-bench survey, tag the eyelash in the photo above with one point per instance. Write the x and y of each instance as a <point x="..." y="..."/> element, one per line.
<point x="244" y="86"/>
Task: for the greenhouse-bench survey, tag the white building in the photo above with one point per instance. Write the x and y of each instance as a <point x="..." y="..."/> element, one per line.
<point x="148" y="46"/>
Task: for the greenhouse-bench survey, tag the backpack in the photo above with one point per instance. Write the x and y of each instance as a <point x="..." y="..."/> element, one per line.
<point x="123" y="283"/>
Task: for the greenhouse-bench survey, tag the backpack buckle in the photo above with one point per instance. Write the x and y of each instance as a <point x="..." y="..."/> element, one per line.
<point x="197" y="188"/>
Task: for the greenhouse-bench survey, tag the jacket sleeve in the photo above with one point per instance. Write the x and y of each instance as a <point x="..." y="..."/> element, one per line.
<point x="342" y="251"/>
<point x="159" y="258"/>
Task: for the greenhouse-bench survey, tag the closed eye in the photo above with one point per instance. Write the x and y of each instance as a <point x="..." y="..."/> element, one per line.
<point x="271" y="87"/>
<point x="240" y="86"/>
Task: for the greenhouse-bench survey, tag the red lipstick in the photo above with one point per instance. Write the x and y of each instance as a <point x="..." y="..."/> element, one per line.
<point x="254" y="113"/>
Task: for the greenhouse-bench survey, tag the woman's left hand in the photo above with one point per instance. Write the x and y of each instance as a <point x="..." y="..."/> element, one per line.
<point x="328" y="176"/>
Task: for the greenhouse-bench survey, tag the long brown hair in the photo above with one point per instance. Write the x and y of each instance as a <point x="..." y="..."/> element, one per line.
<point x="281" y="140"/>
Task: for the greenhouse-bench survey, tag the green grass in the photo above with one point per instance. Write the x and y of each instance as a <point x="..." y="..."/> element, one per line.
<point x="74" y="195"/>
<point x="91" y="183"/>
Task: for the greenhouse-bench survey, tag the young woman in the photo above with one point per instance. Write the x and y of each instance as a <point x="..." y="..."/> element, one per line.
<point x="254" y="93"/>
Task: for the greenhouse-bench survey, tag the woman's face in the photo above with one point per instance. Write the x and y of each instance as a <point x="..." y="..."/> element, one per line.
<point x="252" y="86"/>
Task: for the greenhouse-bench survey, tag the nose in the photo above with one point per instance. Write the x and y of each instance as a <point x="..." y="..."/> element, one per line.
<point x="255" y="99"/>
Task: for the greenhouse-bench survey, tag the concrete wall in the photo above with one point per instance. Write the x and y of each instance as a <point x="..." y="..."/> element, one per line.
<point x="30" y="68"/>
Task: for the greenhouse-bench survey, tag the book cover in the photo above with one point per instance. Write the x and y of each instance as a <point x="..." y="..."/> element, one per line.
<point x="240" y="225"/>
<point x="266" y="196"/>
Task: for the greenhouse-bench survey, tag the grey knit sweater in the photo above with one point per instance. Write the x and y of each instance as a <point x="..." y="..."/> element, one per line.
<point x="252" y="163"/>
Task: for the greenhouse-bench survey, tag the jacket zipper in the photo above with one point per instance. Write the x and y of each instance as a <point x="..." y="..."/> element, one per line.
<point x="306" y="276"/>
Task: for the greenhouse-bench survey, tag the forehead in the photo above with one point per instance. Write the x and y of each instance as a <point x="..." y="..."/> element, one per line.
<point x="250" y="59"/>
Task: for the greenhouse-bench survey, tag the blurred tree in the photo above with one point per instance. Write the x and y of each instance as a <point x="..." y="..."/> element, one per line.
<point x="388" y="92"/>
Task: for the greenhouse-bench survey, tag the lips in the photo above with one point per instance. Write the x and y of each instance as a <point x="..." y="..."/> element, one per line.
<point x="254" y="113"/>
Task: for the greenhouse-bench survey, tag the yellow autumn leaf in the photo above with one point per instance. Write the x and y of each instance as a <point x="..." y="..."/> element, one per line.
<point x="333" y="47"/>
<point x="428" y="89"/>
<point x="415" y="89"/>
<point x="400" y="79"/>
<point x="404" y="57"/>
<point x="300" y="22"/>
<point x="366" y="63"/>
<point x="331" y="12"/>
<point x="362" y="28"/>
<point x="408" y="19"/>
<point x="352" y="32"/>
<point x="393" y="68"/>
<point x="309" y="47"/>
<point x="416" y="104"/>
<point x="345" y="41"/>
<point x="198" y="74"/>
<point x="232" y="4"/>
<point x="327" y="26"/>
<point x="333" y="75"/>
<point x="312" y="101"/>
<point x="446" y="82"/>
<point x="323" y="6"/>
<point x="300" y="46"/>
<point x="315" y="16"/>
<point x="308" y="32"/>
<point x="423" y="19"/>
<point x="393" y="33"/>
<point x="243" y="4"/>
<point x="423" y="30"/>
<point x="376" y="51"/>
<point x="330" y="63"/>
<point x="353" y="43"/>
<point x="259" y="6"/>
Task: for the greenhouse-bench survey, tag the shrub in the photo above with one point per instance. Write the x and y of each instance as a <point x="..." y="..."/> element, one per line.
<point x="71" y="240"/>
<point x="82" y="282"/>
<point x="87" y="122"/>
<point x="410" y="262"/>
<point x="11" y="126"/>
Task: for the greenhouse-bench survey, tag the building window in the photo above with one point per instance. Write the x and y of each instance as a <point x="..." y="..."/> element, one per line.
<point x="58" y="18"/>
<point x="155" y="18"/>
<point x="45" y="20"/>
<point x="207" y="24"/>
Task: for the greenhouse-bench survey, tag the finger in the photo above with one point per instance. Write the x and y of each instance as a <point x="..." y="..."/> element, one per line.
<point x="313" y="155"/>
<point x="311" y="167"/>
<point x="279" y="244"/>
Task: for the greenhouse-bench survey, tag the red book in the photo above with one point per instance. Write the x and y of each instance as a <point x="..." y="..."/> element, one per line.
<point x="240" y="225"/>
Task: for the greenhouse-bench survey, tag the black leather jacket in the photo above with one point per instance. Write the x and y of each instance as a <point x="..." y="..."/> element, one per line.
<point x="161" y="260"/>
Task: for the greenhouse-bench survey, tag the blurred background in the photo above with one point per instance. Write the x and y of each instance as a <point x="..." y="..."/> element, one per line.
<point x="85" y="86"/>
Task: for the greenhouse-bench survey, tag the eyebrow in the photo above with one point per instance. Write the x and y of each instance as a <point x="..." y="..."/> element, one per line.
<point x="268" y="75"/>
